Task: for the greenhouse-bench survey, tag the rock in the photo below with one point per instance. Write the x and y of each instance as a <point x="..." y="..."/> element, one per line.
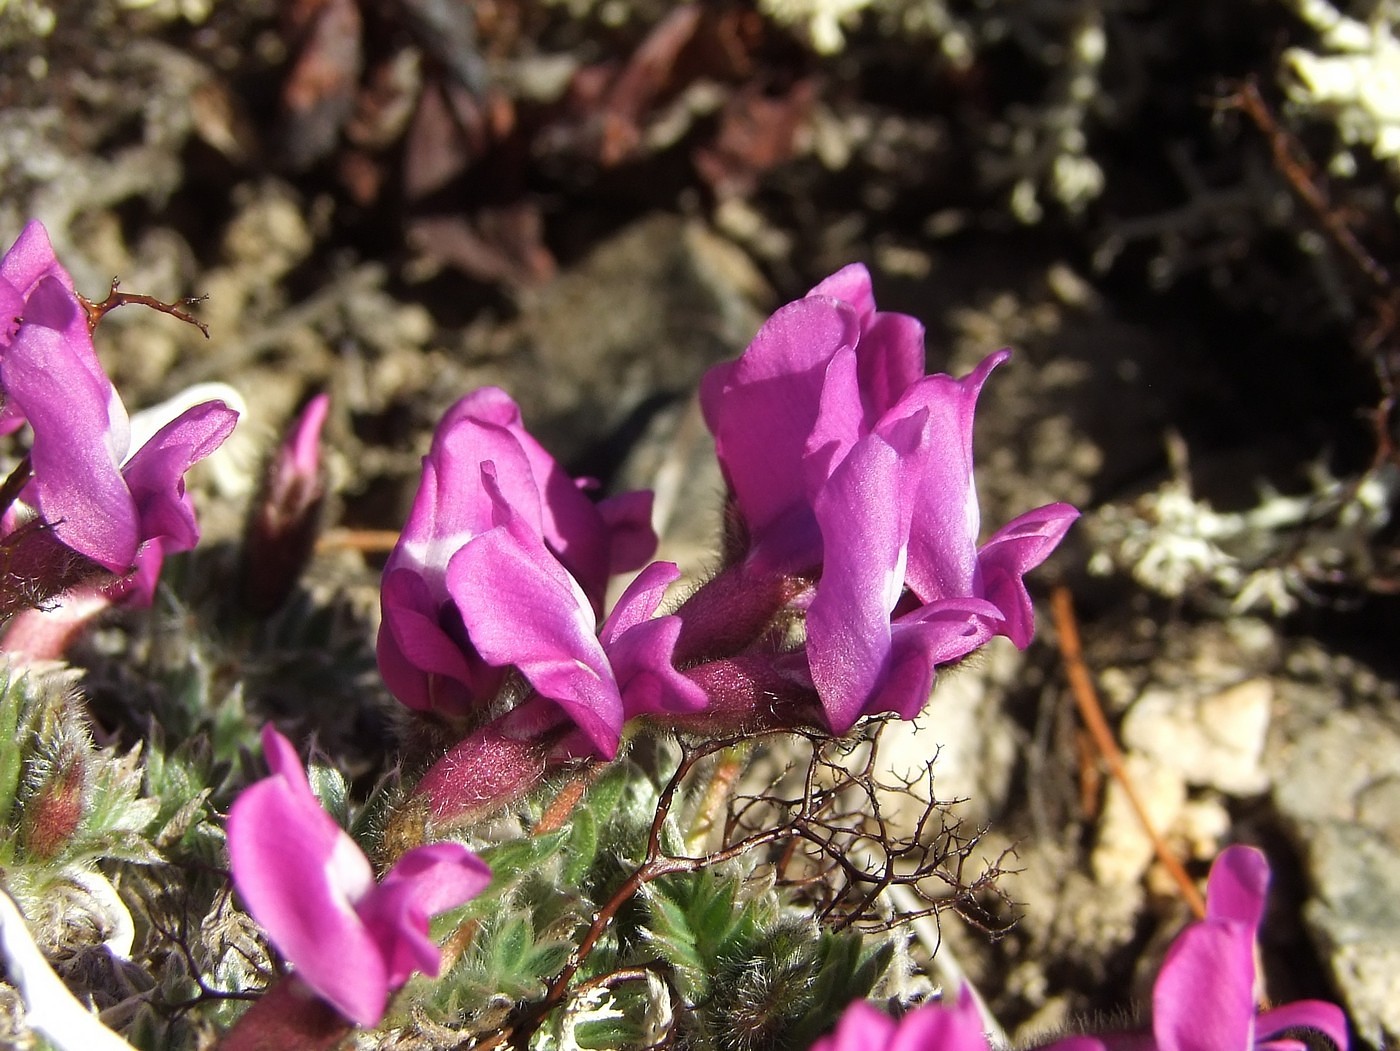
<point x="1336" y="789"/>
<point x="1216" y="741"/>
<point x="1124" y="850"/>
<point x="599" y="351"/>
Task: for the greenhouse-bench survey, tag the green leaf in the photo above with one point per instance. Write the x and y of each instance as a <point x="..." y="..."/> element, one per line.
<point x="13" y="697"/>
<point x="582" y="848"/>
<point x="514" y="860"/>
<point x="331" y="790"/>
<point x="697" y="920"/>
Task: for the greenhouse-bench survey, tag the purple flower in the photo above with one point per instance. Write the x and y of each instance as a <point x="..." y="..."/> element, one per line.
<point x="503" y="563"/>
<point x="37" y="302"/>
<point x="844" y="458"/>
<point x="118" y="500"/>
<point x="931" y="1027"/>
<point x="353" y="941"/>
<point x="1204" y="998"/>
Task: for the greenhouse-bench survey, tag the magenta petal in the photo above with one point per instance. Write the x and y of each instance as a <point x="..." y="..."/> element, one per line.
<point x="851" y="284"/>
<point x="839" y="423"/>
<point x="31" y="259"/>
<point x="11" y="312"/>
<point x="546" y="629"/>
<point x="451" y="506"/>
<point x="300" y="876"/>
<point x="864" y="513"/>
<point x="943" y="543"/>
<point x="947" y="1027"/>
<point x="1238" y="886"/>
<point x="302" y="451"/>
<point x="1325" y="1018"/>
<point x="935" y="634"/>
<point x="762" y="409"/>
<point x="1203" y="999"/>
<point x="627" y="518"/>
<point x="423" y="666"/>
<point x="80" y="490"/>
<point x="647" y="679"/>
<point x="155" y="473"/>
<point x="423" y="882"/>
<point x="862" y="1028"/>
<point x="137" y="590"/>
<point x="443" y="875"/>
<point x="639" y="602"/>
<point x="550" y="501"/>
<point x="891" y="357"/>
<point x="1014" y="550"/>
<point x="640" y="648"/>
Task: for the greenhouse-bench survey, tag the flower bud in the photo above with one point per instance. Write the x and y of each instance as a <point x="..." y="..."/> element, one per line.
<point x="52" y="814"/>
<point x="282" y="528"/>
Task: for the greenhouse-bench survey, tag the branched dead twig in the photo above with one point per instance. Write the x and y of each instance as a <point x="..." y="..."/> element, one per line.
<point x="97" y="311"/>
<point x="854" y="856"/>
<point x="1291" y="160"/>
<point x="857" y="852"/>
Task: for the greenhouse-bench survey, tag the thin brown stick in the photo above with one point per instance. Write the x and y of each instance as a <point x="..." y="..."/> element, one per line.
<point x="1086" y="698"/>
<point x="367" y="541"/>
<point x="97" y="311"/>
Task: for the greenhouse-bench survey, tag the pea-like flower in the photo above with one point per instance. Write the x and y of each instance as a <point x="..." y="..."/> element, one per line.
<point x="503" y="563"/>
<point x="844" y="459"/>
<point x="1205" y="994"/>
<point x="104" y="493"/>
<point x="351" y="940"/>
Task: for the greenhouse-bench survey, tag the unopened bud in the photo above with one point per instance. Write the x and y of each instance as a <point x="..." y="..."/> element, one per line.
<point x="283" y="526"/>
<point x="52" y="814"/>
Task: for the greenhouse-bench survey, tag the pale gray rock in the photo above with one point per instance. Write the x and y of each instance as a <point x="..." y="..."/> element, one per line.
<point x="1337" y="782"/>
<point x="1214" y="740"/>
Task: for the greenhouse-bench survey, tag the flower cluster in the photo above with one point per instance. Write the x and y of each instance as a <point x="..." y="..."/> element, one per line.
<point x="1204" y="998"/>
<point x="102" y="486"/>
<point x="847" y="463"/>
<point x="503" y="564"/>
<point x="852" y="572"/>
<point x="850" y="477"/>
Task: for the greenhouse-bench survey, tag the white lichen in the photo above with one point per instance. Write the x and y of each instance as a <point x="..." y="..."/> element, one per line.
<point x="825" y="21"/>
<point x="1355" y="80"/>
<point x="1268" y="557"/>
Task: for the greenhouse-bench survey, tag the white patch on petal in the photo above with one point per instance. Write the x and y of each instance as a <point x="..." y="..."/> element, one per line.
<point x="894" y="578"/>
<point x="146" y="422"/>
<point x="972" y="512"/>
<point x="118" y="432"/>
<point x="431" y="555"/>
<point x="348" y="869"/>
<point x="53" y="1010"/>
<point x="583" y="609"/>
<point x="583" y="666"/>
